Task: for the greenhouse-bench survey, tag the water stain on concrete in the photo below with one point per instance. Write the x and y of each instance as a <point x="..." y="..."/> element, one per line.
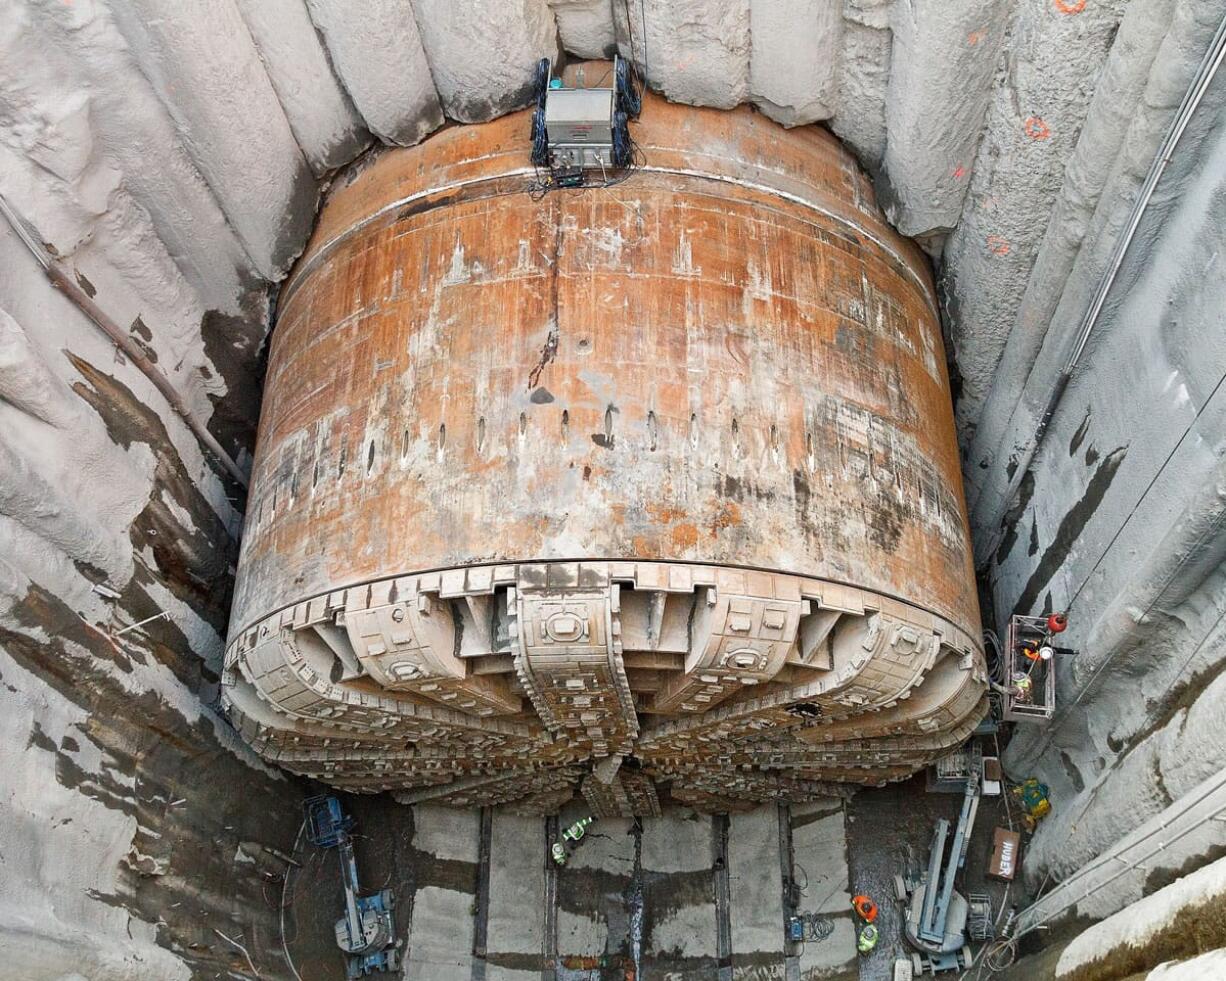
<point x="237" y="349"/>
<point x="193" y="558"/>
<point x="1080" y="435"/>
<point x="1071" y="526"/>
<point x="1013" y="516"/>
<point x="180" y="872"/>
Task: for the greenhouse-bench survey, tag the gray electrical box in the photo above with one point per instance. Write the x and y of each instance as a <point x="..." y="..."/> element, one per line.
<point x="579" y="123"/>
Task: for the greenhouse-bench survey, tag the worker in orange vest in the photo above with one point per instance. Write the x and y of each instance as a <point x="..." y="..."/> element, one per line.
<point x="865" y="908"/>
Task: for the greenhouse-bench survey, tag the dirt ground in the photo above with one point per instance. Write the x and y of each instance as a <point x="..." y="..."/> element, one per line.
<point x="888" y="830"/>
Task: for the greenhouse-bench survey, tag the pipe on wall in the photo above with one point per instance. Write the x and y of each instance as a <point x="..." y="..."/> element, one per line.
<point x="63" y="281"/>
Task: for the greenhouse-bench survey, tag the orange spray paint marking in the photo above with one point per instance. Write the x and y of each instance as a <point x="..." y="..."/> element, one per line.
<point x="959" y="172"/>
<point x="1070" y="6"/>
<point x="1036" y="129"/>
<point x="998" y="245"/>
<point x="974" y="37"/>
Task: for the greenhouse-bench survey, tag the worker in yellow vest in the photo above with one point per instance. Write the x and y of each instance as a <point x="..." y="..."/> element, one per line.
<point x="867" y="939"/>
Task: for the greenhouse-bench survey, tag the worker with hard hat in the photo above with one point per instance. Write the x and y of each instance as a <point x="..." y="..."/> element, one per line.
<point x="867" y="939"/>
<point x="865" y="908"/>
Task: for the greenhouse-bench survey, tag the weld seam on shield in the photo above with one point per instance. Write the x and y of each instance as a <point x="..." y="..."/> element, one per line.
<point x="329" y="246"/>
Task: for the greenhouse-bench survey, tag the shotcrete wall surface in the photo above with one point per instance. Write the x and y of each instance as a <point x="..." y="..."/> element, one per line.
<point x="681" y="447"/>
<point x="1136" y="559"/>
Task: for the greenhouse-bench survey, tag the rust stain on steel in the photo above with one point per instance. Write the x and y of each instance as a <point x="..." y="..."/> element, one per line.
<point x="675" y="296"/>
<point x="728" y="362"/>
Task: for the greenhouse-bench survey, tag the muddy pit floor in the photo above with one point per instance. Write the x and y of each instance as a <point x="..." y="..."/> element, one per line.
<point x="683" y="897"/>
<point x="890" y="830"/>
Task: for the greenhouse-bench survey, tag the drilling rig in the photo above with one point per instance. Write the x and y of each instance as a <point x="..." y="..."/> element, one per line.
<point x="367" y="932"/>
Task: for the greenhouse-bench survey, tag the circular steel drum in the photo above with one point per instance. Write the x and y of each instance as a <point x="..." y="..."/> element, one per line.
<point x="591" y="465"/>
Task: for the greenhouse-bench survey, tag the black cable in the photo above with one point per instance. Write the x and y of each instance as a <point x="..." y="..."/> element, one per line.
<point x="623" y="154"/>
<point x="540" y="136"/>
<point x="628" y="95"/>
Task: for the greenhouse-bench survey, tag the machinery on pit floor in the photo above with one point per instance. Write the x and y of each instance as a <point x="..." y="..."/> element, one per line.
<point x="801" y="927"/>
<point x="367" y="932"/>
<point x="581" y="136"/>
<point x="807" y="927"/>
<point x="939" y="919"/>
<point x="1034" y="799"/>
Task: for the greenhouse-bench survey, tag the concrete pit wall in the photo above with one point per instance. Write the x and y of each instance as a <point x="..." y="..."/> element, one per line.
<point x="1135" y="554"/>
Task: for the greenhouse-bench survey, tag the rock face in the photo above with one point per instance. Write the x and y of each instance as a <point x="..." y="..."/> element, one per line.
<point x="1154" y="929"/>
<point x="696" y="52"/>
<point x="319" y="110"/>
<point x="943" y="59"/>
<point x="203" y="65"/>
<point x="381" y="61"/>
<point x="593" y="515"/>
<point x="585" y="27"/>
<point x="793" y="68"/>
<point x="1033" y="124"/>
<point x="120" y="852"/>
<point x="1137" y="558"/>
<point x="863" y="79"/>
<point x="483" y="54"/>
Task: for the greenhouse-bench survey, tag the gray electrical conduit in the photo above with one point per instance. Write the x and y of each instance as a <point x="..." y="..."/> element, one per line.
<point x="1191" y="100"/>
<point x="63" y="281"/>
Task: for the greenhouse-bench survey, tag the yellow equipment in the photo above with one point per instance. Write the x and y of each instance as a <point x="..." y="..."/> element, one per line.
<point x="1033" y="797"/>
